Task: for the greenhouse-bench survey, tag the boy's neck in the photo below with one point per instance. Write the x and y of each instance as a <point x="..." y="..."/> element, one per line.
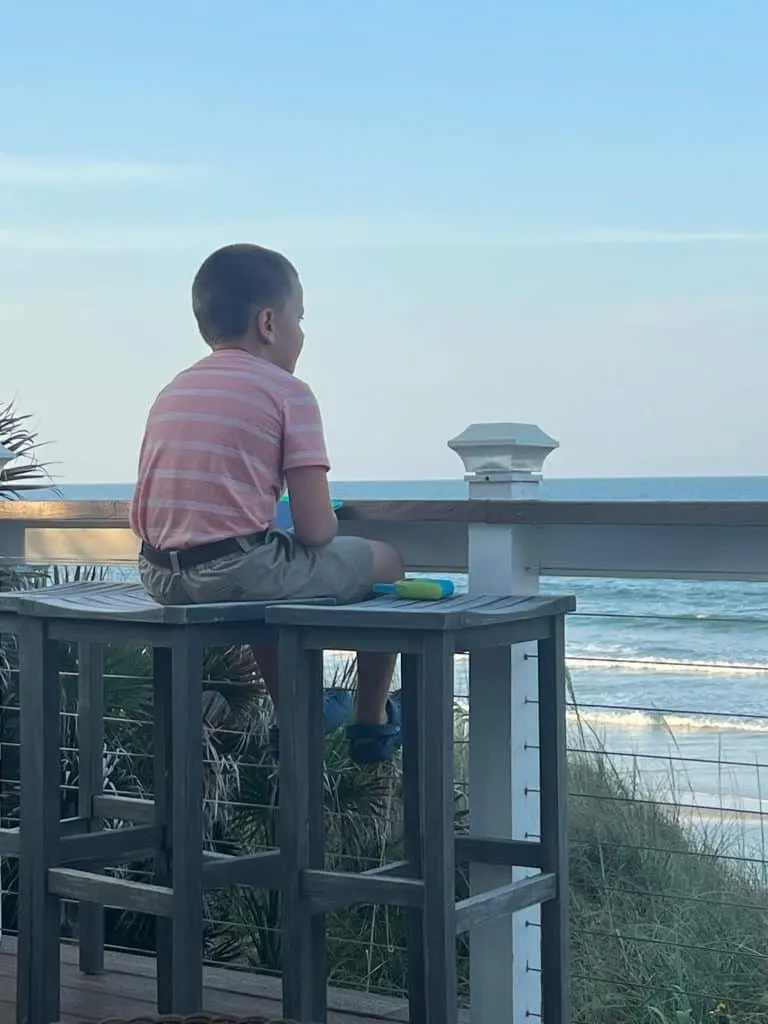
<point x="254" y="348"/>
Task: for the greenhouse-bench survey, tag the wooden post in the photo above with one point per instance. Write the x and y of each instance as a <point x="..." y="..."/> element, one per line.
<point x="503" y="461"/>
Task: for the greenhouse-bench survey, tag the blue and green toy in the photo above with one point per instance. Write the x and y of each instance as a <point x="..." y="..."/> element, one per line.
<point x="417" y="589"/>
<point x="283" y="517"/>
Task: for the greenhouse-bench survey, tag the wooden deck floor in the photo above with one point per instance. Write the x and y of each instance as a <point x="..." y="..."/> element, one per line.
<point x="127" y="989"/>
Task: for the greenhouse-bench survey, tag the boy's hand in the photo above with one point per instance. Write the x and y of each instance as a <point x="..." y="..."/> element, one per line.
<point x="314" y="520"/>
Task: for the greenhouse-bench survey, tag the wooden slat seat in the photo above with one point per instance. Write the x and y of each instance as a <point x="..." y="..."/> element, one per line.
<point x="115" y="602"/>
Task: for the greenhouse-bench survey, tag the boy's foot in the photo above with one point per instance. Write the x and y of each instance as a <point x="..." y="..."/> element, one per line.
<point x="337" y="707"/>
<point x="372" y="744"/>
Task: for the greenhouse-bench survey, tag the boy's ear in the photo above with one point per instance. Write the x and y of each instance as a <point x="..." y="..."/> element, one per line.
<point x="264" y="322"/>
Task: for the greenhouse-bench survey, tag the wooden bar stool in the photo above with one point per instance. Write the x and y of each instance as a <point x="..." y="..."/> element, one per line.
<point x="427" y="635"/>
<point x="60" y="860"/>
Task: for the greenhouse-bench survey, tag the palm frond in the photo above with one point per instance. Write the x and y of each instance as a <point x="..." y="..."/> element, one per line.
<point x="28" y="472"/>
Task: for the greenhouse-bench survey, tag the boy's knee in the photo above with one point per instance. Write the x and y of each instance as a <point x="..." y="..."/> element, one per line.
<point x="388" y="563"/>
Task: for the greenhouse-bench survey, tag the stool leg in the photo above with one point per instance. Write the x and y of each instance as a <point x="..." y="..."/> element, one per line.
<point x="410" y="671"/>
<point x="163" y="785"/>
<point x="302" y="832"/>
<point x="90" y="708"/>
<point x="38" y="969"/>
<point x="555" y="941"/>
<point x="438" y="848"/>
<point x="187" y="826"/>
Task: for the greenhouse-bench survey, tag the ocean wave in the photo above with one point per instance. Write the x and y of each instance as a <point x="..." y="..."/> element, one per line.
<point x="672" y="722"/>
<point x="629" y="661"/>
<point x="650" y="663"/>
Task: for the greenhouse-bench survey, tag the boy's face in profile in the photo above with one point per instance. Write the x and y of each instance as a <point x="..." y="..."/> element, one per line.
<point x="288" y="334"/>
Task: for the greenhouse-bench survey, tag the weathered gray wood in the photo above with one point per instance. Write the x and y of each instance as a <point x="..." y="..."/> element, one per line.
<point x="311" y="678"/>
<point x="456" y="613"/>
<point x="148" y="634"/>
<point x="109" y="847"/>
<point x="114" y="514"/>
<point x="503" y="635"/>
<point x="411" y="675"/>
<point x="326" y="891"/>
<point x="127" y="602"/>
<point x="163" y="792"/>
<point x="124" y="808"/>
<point x="73" y="827"/>
<point x="127" y="991"/>
<point x="187" y="825"/>
<point x="503" y="901"/>
<point x="520" y="853"/>
<point x="110" y="892"/>
<point x="90" y="728"/>
<point x="438" y="865"/>
<point x="303" y="957"/>
<point x="397" y="869"/>
<point x="259" y="870"/>
<point x="553" y="774"/>
<point x="9" y="842"/>
<point x="38" y="908"/>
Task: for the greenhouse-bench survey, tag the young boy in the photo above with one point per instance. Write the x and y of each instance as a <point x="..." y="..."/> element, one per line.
<point x="222" y="441"/>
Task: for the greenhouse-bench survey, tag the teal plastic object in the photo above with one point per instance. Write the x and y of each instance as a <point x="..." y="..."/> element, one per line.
<point x="417" y="590"/>
<point x="283" y="517"/>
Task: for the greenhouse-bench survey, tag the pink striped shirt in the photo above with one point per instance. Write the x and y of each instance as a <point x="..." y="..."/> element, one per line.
<point x="218" y="441"/>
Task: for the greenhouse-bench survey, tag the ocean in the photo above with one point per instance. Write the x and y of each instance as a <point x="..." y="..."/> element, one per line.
<point x="669" y="677"/>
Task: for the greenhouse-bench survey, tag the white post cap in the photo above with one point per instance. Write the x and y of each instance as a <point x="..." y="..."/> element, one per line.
<point x="508" y="449"/>
<point x="6" y="456"/>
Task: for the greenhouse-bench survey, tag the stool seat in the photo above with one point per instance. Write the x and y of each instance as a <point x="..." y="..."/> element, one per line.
<point x="453" y="614"/>
<point x="125" y="602"/>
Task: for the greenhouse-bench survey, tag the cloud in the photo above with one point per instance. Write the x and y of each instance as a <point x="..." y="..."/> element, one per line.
<point x="340" y="233"/>
<point x="104" y="240"/>
<point x="20" y="170"/>
<point x="633" y="236"/>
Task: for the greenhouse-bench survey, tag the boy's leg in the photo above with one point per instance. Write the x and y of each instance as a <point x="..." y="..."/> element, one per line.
<point x="375" y="669"/>
<point x="337" y="704"/>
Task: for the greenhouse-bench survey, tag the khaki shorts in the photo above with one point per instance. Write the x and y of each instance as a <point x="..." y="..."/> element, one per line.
<point x="280" y="568"/>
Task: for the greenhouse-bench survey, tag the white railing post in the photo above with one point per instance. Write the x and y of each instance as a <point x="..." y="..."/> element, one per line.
<point x="503" y="461"/>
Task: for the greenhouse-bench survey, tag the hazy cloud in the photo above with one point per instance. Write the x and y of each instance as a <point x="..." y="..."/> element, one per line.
<point x="338" y="233"/>
<point x="21" y="170"/>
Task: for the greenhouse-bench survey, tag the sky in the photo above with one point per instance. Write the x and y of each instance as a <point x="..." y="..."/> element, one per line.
<point x="551" y="212"/>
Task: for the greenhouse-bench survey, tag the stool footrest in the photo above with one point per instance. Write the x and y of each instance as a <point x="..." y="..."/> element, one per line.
<point x="332" y="890"/>
<point x="111" y="892"/>
<point x="397" y="869"/>
<point x="258" y="870"/>
<point x="9" y="842"/>
<point x="109" y="846"/>
<point x="513" y="853"/>
<point x="124" y="808"/>
<point x="505" y="900"/>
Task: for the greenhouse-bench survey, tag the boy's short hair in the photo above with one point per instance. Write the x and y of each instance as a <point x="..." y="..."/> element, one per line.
<point x="235" y="281"/>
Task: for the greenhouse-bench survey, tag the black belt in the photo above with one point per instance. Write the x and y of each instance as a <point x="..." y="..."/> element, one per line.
<point x="188" y="558"/>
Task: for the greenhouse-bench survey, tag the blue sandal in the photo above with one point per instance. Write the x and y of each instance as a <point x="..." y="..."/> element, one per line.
<point x="373" y="744"/>
<point x="337" y="707"/>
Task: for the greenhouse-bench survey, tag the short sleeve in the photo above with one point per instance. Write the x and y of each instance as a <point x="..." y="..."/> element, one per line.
<point x="303" y="435"/>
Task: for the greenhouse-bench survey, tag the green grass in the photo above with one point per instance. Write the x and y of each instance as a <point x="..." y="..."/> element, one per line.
<point x="665" y="925"/>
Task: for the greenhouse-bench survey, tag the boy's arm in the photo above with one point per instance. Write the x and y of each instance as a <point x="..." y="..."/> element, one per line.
<point x="306" y="465"/>
<point x="314" y="520"/>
